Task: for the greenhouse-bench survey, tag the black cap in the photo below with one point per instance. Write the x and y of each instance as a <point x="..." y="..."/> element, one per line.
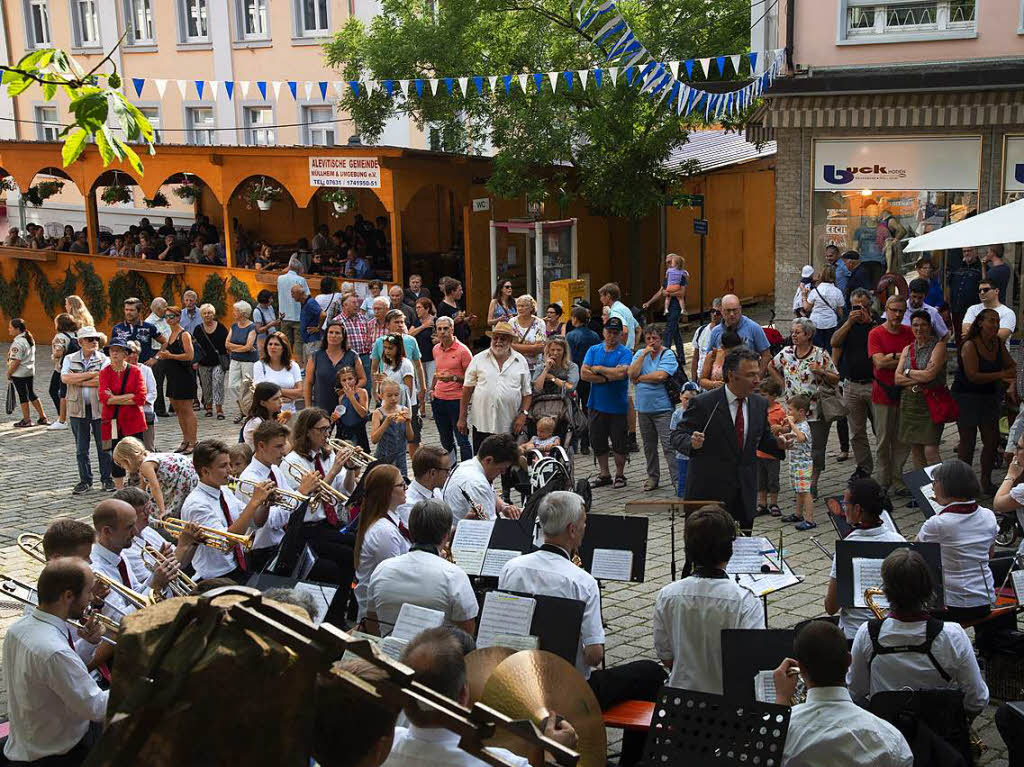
<point x="613" y="323"/>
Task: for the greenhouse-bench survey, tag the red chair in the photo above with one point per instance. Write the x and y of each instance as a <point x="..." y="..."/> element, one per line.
<point x="630" y="715"/>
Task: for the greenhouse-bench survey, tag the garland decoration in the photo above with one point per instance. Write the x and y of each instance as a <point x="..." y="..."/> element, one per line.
<point x="128" y="284"/>
<point x="214" y="294"/>
<point x="51" y="297"/>
<point x="14" y="292"/>
<point x="174" y="284"/>
<point x="93" y="292"/>
<point x="240" y="291"/>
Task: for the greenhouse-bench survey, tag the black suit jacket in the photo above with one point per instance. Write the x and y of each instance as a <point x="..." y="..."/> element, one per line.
<point x="720" y="471"/>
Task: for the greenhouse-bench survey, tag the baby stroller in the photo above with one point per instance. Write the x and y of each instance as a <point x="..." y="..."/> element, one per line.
<point x="547" y="473"/>
<point x="564" y="409"/>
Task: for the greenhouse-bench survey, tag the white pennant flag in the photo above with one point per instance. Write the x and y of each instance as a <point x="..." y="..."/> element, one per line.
<point x="308" y="87"/>
<point x="705" y="65"/>
<point x="583" y="73"/>
<point x="433" y="86"/>
<point x="674" y="66"/>
<point x="464" y="85"/>
<point x="161" y="86"/>
<point x="339" y="88"/>
<point x="276" y="85"/>
<point x="553" y="77"/>
<point x="492" y="80"/>
<point x="735" y="63"/>
<point x="404" y="86"/>
<point x="243" y="87"/>
<point x="522" y="81"/>
<point x="213" y="88"/>
<point x="614" y="72"/>
<point x="181" y="87"/>
<point x="371" y="86"/>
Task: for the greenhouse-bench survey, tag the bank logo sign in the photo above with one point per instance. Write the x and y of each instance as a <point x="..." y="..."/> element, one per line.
<point x="920" y="164"/>
<point x="864" y="174"/>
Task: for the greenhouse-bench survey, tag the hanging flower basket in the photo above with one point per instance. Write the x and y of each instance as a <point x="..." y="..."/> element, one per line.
<point x="159" y="201"/>
<point x="189" y="192"/>
<point x="116" y="194"/>
<point x="39" y="193"/>
<point x="264" y="204"/>
<point x="260" y="194"/>
<point x="342" y="200"/>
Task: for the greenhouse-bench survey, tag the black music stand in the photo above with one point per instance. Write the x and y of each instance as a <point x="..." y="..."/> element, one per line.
<point x="612" y="531"/>
<point x="557" y="623"/>
<point x="696" y="729"/>
<point x="672" y="506"/>
<point x="514" y="535"/>
<point x="323" y="593"/>
<point x="747" y="651"/>
<point x="847" y="551"/>
<point x="915" y="481"/>
<point x="837" y="516"/>
<point x="292" y="556"/>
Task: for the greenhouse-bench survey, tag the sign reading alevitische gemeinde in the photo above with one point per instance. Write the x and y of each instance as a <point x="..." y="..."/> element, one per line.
<point x="344" y="172"/>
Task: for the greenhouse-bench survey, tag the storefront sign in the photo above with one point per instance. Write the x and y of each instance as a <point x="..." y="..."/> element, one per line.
<point x="918" y="164"/>
<point x="344" y="172"/>
<point x="1013" y="180"/>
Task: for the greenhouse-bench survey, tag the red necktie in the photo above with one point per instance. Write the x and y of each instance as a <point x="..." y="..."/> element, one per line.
<point x="71" y="642"/>
<point x="403" y="530"/>
<point x="329" y="511"/>
<point x="739" y="424"/>
<point x="122" y="568"/>
<point x="236" y="550"/>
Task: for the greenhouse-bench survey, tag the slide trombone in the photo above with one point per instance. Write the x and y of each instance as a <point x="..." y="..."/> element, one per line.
<point x="22" y="592"/>
<point x="286" y="499"/>
<point x="180" y="585"/>
<point x="324" y="490"/>
<point x="221" y="540"/>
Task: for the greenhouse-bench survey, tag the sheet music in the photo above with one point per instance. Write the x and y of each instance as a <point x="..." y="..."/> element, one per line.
<point x="1018" y="583"/>
<point x="349" y="655"/>
<point x="322" y="595"/>
<point x="392" y="647"/>
<point x="504" y="614"/>
<point x="517" y="642"/>
<point x="888" y="523"/>
<point x="764" y="686"/>
<point x="412" y="619"/>
<point x="748" y="555"/>
<point x="760" y="585"/>
<point x="612" y="564"/>
<point x="867" y="574"/>
<point x="930" y="470"/>
<point x="495" y="559"/>
<point x="470" y="543"/>
<point x="929" y="493"/>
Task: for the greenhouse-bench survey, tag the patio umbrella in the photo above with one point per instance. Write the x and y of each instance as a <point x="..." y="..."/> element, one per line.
<point x="1002" y="224"/>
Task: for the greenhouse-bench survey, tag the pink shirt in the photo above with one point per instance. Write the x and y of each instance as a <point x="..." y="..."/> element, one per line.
<point x="454" y="360"/>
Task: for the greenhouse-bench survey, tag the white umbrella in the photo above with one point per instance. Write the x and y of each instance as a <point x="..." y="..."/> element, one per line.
<point x="1003" y="224"/>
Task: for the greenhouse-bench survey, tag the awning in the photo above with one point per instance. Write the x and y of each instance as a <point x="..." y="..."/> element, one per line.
<point x="999" y="225"/>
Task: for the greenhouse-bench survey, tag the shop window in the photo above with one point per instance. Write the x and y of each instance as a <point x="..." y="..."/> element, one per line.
<point x="873" y="21"/>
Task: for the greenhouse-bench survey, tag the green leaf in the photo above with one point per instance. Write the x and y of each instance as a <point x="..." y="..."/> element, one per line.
<point x="49" y="89"/>
<point x="12" y="75"/>
<point x="74" y="143"/>
<point x="133" y="157"/>
<point x="103" y="144"/>
<point x="19" y="87"/>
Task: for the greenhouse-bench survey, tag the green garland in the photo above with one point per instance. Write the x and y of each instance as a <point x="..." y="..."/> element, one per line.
<point x="240" y="291"/>
<point x="14" y="292"/>
<point x="93" y="292"/>
<point x="129" y="284"/>
<point x="174" y="284"/>
<point x="214" y="294"/>
<point x="51" y="297"/>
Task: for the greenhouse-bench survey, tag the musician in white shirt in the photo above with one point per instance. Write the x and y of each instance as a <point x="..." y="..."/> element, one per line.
<point x="422" y="577"/>
<point x="381" y="534"/>
<point x="145" y="535"/>
<point x="830" y="729"/>
<point x="430" y="471"/>
<point x="689" y="615"/>
<point x="471" y="485"/>
<point x="211" y="504"/>
<point x="51" y="698"/>
<point x="903" y="658"/>
<point x="864" y="500"/>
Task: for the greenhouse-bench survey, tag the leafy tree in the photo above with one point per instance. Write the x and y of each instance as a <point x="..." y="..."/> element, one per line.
<point x="616" y="138"/>
<point x="100" y="110"/>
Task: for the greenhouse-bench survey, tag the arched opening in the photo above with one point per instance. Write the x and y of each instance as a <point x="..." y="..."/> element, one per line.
<point x="52" y="200"/>
<point x="432" y="236"/>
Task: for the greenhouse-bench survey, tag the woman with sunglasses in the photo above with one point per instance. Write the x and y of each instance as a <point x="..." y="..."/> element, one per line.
<point x="179" y="370"/>
<point x="503" y="306"/>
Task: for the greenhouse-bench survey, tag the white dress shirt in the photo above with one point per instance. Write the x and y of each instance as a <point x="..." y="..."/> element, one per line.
<point x="413" y="495"/>
<point x="133" y="554"/>
<point x="382" y="541"/>
<point x="203" y="506"/>
<point x="424" y="579"/>
<point x="939" y="326"/>
<point x="499" y="394"/>
<point x="830" y="729"/>
<point x="150" y="380"/>
<point x="50" y="696"/>
<point x="469" y="476"/>
<point x="270" y="533"/>
<point x="733" y="401"/>
<point x="851" y="618"/>
<point x="437" y="747"/>
<point x="550" y="574"/>
<point x="105" y="562"/>
<point x="315" y="512"/>
<point x="966" y="540"/>
<point x="689" y="616"/>
<point x="914" y="670"/>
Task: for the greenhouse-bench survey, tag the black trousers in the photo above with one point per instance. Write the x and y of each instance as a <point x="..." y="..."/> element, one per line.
<point x="639" y="680"/>
<point x="160" y="373"/>
<point x="1011" y="728"/>
<point x="73" y="758"/>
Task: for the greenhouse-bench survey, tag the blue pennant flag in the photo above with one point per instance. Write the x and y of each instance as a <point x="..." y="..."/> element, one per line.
<point x="354" y="85"/>
<point x="323" y="89"/>
<point x="647" y="70"/>
<point x="689" y="68"/>
<point x="449" y="83"/>
<point x="419" y="87"/>
<point x="674" y="94"/>
<point x="292" y="86"/>
<point x="629" y="75"/>
<point x="261" y="86"/>
<point x="752" y="57"/>
<point x="200" y="85"/>
<point x="613" y="31"/>
<point x="720" y="60"/>
<point x="631" y="48"/>
<point x="693" y="100"/>
<point x="478" y="81"/>
<point x="138" y="82"/>
<point x="538" y="80"/>
<point x="229" y="88"/>
<point x="618" y="47"/>
<point x="598" y="74"/>
<point x="567" y="76"/>
<point x="507" y="79"/>
<point x="389" y="86"/>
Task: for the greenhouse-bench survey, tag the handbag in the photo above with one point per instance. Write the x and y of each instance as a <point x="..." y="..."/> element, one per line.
<point x="941" y="406"/>
<point x="11" y="394"/>
<point x="830" y="404"/>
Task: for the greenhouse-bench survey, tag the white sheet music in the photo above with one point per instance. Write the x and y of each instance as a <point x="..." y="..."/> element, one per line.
<point x="764" y="686"/>
<point x="517" y="642"/>
<point x="929" y="493"/>
<point x="504" y="614"/>
<point x="322" y="595"/>
<point x="470" y="543"/>
<point x="349" y="655"/>
<point x="888" y="523"/>
<point x="748" y="555"/>
<point x="612" y="564"/>
<point x="495" y="559"/>
<point x="760" y="585"/>
<point x="392" y="647"/>
<point x="930" y="470"/>
<point x="867" y="574"/>
<point x="1018" y="583"/>
<point x="412" y="619"/>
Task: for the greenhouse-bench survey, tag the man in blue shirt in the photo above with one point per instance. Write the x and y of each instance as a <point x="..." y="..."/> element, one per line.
<point x="287" y="307"/>
<point x="606" y="368"/>
<point x="651" y="368"/>
<point x="134" y="329"/>
<point x="859" y="275"/>
<point x="310" y="318"/>
<point x="751" y="333"/>
<point x="580" y="339"/>
<point x="833" y="260"/>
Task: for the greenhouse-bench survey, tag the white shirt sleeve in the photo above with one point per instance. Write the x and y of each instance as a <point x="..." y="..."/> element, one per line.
<point x="662" y="636"/>
<point x="472" y="374"/>
<point x="67" y="677"/>
<point x="463" y="605"/>
<point x="927" y="532"/>
<point x="967" y="674"/>
<point x="591" y="630"/>
<point x="753" y="613"/>
<point x="858" y="677"/>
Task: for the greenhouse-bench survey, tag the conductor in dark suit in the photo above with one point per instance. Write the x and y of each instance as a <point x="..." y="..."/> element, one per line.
<point x="721" y="431"/>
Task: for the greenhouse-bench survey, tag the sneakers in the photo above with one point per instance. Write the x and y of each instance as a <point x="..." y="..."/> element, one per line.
<point x="805" y="525"/>
<point x="57" y="426"/>
<point x="81" y="487"/>
<point x="109" y="486"/>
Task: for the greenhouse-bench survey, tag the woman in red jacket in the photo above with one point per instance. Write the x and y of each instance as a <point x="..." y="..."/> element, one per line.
<point x="122" y="394"/>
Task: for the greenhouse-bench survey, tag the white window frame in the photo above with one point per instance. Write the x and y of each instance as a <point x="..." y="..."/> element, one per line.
<point x="43" y="8"/>
<point x="189" y="10"/>
<point x="154" y="120"/>
<point x="242" y="16"/>
<point x="299" y="11"/>
<point x="260" y="133"/>
<point x="80" y="30"/>
<point x="1020" y="21"/>
<point x="41" y="114"/>
<point x="310" y="126"/>
<point x="943" y="29"/>
<point x="148" y="36"/>
<point x="195" y="131"/>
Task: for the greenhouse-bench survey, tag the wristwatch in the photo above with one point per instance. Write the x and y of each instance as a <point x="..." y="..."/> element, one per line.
<point x="524" y="412"/>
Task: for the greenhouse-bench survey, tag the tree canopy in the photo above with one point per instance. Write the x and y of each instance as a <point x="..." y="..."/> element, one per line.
<point x="615" y="138"/>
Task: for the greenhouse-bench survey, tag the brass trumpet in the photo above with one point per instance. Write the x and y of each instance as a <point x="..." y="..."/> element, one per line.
<point x="324" y="490"/>
<point x="22" y="592"/>
<point x="869" y="600"/>
<point x="181" y="585"/>
<point x="286" y="499"/>
<point x="358" y="456"/>
<point x="221" y="540"/>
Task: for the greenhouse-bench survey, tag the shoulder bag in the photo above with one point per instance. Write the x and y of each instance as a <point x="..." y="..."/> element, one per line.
<point x="830" y="404"/>
<point x="941" y="406"/>
<point x="839" y="317"/>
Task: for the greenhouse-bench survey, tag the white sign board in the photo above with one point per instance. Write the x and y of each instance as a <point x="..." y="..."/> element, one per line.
<point x="481" y="204"/>
<point x="917" y="164"/>
<point x="344" y="172"/>
<point x="1013" y="180"/>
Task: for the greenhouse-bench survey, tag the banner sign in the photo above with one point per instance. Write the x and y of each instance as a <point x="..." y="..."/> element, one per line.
<point x="344" y="171"/>
<point x="1013" y="178"/>
<point x="913" y="164"/>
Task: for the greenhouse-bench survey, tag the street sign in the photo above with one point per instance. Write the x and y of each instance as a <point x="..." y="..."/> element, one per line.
<point x="700" y="226"/>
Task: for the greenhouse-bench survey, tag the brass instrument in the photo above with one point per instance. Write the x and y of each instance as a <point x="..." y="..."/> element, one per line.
<point x="286" y="499"/>
<point x="869" y="600"/>
<point x="22" y="592"/>
<point x="221" y="540"/>
<point x="180" y="585"/>
<point x="358" y="456"/>
<point x="575" y="558"/>
<point x="325" y="492"/>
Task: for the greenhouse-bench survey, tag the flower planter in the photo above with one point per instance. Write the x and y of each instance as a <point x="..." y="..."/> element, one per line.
<point x="264" y="204"/>
<point x="340" y="207"/>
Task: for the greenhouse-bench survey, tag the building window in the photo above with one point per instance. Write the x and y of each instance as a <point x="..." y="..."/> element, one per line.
<point x="866" y="19"/>
<point x="313" y="18"/>
<point x="138" y="16"/>
<point x="194" y="21"/>
<point x="252" y="19"/>
<point x="85" y="25"/>
<point x="319" y="128"/>
<point x="153" y="115"/>
<point x="47" y="125"/>
<point x="258" y="122"/>
<point x="37" y="14"/>
<point x="200" y="123"/>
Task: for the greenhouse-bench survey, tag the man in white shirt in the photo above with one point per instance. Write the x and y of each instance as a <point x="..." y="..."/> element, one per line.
<point x="436" y="657"/>
<point x="917" y="290"/>
<point x="51" y="698"/>
<point x="989" y="296"/>
<point x="429" y="471"/>
<point x="700" y="339"/>
<point x="830" y="729"/>
<point x="689" y="615"/>
<point x="422" y="577"/>
<point x="145" y="535"/>
<point x="469" y="491"/>
<point x="550" y="572"/>
<point x="212" y="504"/>
<point x="148" y="436"/>
<point x="864" y="500"/>
<point x="158" y="319"/>
<point x="911" y="649"/>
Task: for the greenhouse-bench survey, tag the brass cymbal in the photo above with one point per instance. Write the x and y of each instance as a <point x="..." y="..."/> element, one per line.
<point x="480" y="664"/>
<point x="531" y="684"/>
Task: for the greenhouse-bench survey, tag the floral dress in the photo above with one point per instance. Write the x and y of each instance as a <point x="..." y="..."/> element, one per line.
<point x="177" y="477"/>
<point x="536" y="333"/>
<point x="797" y="376"/>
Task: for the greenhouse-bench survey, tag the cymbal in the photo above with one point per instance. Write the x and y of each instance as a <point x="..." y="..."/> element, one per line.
<point x="480" y="664"/>
<point x="531" y="684"/>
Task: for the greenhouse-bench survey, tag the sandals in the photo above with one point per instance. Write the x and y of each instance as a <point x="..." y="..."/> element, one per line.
<point x="649" y="484"/>
<point x="209" y="414"/>
<point x="843" y="456"/>
<point x="805" y="525"/>
<point x="44" y="421"/>
<point x="600" y="481"/>
<point x="774" y="510"/>
<point x="239" y="419"/>
<point x="189" y="447"/>
<point x="761" y="511"/>
<point x="792" y="518"/>
<point x="619" y="482"/>
<point x="181" y="448"/>
<point x="23" y="423"/>
<point x="220" y="416"/>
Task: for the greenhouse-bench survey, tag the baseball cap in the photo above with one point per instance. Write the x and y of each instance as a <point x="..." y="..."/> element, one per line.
<point x="807" y="271"/>
<point x="690" y="386"/>
<point x="123" y="344"/>
<point x="613" y="323"/>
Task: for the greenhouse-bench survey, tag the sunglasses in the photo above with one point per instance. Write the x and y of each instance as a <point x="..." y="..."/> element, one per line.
<point x="984" y="290"/>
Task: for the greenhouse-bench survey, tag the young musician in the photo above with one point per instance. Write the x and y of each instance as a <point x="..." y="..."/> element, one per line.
<point x="145" y="535"/>
<point x="474" y="478"/>
<point x="689" y="615"/>
<point x="381" y="533"/>
<point x="429" y="471"/>
<point x="211" y="504"/>
<point x="51" y="699"/>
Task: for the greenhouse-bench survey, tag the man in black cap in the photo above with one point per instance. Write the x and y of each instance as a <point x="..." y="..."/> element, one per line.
<point x="606" y="368"/>
<point x="859" y="276"/>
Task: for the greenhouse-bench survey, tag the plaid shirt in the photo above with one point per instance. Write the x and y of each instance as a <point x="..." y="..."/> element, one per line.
<point x="360" y="332"/>
<point x="377" y="330"/>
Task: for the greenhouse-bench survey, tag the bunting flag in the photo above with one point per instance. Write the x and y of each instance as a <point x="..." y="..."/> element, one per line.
<point x="181" y="87"/>
<point x="161" y="87"/>
<point x="139" y="83"/>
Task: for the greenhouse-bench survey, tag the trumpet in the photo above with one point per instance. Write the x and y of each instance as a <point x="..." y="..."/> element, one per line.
<point x="221" y="540"/>
<point x="286" y="499"/>
<point x="22" y="592"/>
<point x="358" y="456"/>
<point x="325" y="492"/>
<point x="31" y="544"/>
<point x="869" y="600"/>
<point x="181" y="585"/>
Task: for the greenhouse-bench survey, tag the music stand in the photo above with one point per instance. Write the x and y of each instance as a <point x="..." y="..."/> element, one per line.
<point x="916" y="482"/>
<point x="612" y="531"/>
<point x="557" y="623"/>
<point x="847" y="551"/>
<point x="290" y="553"/>
<point x="322" y="593"/>
<point x="747" y="651"/>
<point x="672" y="506"/>
<point x="697" y="729"/>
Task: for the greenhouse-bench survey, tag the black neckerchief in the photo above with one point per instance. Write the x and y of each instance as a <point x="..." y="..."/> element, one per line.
<point x="424" y="547"/>
<point x="864" y="526"/>
<point x="555" y="550"/>
<point x="709" y="572"/>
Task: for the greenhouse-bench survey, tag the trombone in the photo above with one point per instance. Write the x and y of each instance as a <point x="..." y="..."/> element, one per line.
<point x="180" y="585"/>
<point x="358" y="456"/>
<point x="325" y="492"/>
<point x="221" y="540"/>
<point x="22" y="592"/>
<point x="286" y="499"/>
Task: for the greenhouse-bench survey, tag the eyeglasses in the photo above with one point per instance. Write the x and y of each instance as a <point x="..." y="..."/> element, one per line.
<point x="984" y="290"/>
<point x="323" y="429"/>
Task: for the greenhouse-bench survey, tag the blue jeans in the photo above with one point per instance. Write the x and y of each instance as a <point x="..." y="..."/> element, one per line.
<point x="681" y="465"/>
<point x="672" y="336"/>
<point x="446" y="416"/>
<point x="83" y="429"/>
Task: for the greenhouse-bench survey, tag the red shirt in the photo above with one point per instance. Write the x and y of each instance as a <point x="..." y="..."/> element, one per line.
<point x="881" y="341"/>
<point x="455" y="359"/>
<point x="130" y="419"/>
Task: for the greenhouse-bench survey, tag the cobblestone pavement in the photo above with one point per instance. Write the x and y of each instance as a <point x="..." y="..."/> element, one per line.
<point x="37" y="472"/>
